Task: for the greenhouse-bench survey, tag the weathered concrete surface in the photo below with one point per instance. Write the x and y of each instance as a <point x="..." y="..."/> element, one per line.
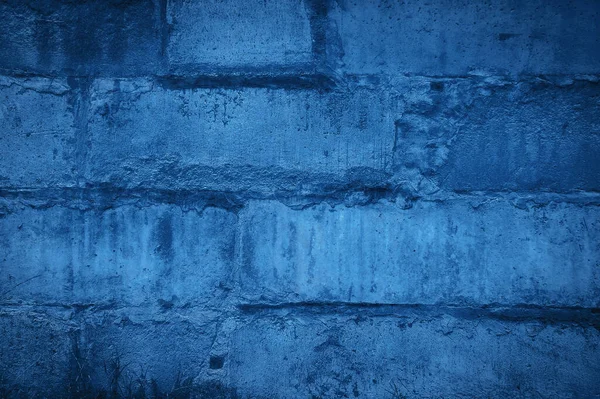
<point x="144" y="341"/>
<point x="81" y="38"/>
<point x="357" y="355"/>
<point x="34" y="353"/>
<point x="451" y="37"/>
<point x="37" y="134"/>
<point x="85" y="350"/>
<point x="128" y="38"/>
<point x="459" y="253"/>
<point x="128" y="255"/>
<point x="299" y="198"/>
<point x="417" y="134"/>
<point x="256" y="33"/>
<point x="324" y="351"/>
<point x="496" y="135"/>
<point x="154" y="37"/>
<point x="484" y="134"/>
<point x="265" y="140"/>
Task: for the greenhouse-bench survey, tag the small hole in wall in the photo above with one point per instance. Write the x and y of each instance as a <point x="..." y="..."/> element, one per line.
<point x="216" y="362"/>
<point x="437" y="86"/>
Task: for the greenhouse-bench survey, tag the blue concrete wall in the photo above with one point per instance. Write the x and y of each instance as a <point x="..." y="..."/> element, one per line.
<point x="299" y="199"/>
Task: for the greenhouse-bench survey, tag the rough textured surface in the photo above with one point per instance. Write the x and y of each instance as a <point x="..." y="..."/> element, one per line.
<point x="490" y="134"/>
<point x="37" y="133"/>
<point x="363" y="355"/>
<point x="299" y="198"/>
<point x="454" y="253"/>
<point x="455" y="37"/>
<point x="142" y="134"/>
<point x="94" y="37"/>
<point x="158" y="254"/>
<point x="230" y="34"/>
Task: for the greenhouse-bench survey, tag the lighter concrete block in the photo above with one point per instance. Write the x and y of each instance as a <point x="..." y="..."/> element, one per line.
<point x="160" y="255"/>
<point x="453" y="252"/>
<point x="234" y="34"/>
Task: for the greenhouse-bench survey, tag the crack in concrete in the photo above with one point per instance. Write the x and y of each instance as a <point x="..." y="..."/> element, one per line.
<point x="502" y="312"/>
<point x="302" y="77"/>
<point x="108" y="197"/>
<point x="515" y="313"/>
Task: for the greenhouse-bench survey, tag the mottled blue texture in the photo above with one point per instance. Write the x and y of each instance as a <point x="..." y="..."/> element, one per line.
<point x="299" y="199"/>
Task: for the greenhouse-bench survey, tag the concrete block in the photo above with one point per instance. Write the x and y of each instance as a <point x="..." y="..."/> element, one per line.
<point x="216" y="34"/>
<point x="37" y="134"/>
<point x="496" y="135"/>
<point x="529" y="138"/>
<point x="446" y="37"/>
<point x="35" y="353"/>
<point x="38" y="252"/>
<point x="152" y="347"/>
<point x="458" y="252"/>
<point x="111" y="38"/>
<point x="159" y="255"/>
<point x="401" y="354"/>
<point x="244" y="139"/>
<point x="57" y="352"/>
